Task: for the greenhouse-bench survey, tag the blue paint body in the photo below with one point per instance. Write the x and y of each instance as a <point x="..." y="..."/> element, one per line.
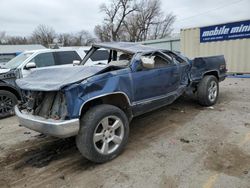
<point x="145" y="89"/>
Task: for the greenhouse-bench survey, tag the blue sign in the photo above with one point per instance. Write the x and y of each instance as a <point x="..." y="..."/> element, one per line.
<point x="228" y="31"/>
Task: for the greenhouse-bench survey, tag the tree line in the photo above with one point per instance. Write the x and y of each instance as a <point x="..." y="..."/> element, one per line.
<point x="124" y="20"/>
<point x="46" y="35"/>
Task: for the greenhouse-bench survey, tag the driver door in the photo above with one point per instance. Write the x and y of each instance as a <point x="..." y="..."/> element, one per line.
<point x="157" y="86"/>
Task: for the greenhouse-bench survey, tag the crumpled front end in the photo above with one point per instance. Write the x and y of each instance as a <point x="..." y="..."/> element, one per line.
<point x="49" y="105"/>
<point x="46" y="112"/>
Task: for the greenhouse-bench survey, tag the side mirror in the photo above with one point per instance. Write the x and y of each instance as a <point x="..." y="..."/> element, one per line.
<point x="148" y="62"/>
<point x="30" y="65"/>
<point x="76" y="62"/>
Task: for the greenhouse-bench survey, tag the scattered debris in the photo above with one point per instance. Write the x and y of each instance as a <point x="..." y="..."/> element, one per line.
<point x="184" y="140"/>
<point x="62" y="177"/>
<point x="245" y="172"/>
<point x="210" y="107"/>
<point x="221" y="109"/>
<point x="40" y="136"/>
<point x="247" y="125"/>
<point x="1" y="148"/>
<point x="175" y="108"/>
<point x="172" y="141"/>
<point x="160" y="155"/>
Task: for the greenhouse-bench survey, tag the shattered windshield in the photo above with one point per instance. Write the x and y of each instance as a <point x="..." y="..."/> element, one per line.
<point x="16" y="61"/>
<point x="108" y="57"/>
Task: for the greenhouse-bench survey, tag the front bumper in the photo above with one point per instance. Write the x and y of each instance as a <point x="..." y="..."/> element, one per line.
<point x="57" y="128"/>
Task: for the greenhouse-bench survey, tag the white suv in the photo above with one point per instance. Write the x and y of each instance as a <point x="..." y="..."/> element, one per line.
<point x="29" y="60"/>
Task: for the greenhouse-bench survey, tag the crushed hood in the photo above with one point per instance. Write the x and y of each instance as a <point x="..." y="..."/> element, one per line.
<point x="53" y="79"/>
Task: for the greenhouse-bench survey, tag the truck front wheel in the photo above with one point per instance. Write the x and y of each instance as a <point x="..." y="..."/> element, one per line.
<point x="208" y="91"/>
<point x="103" y="133"/>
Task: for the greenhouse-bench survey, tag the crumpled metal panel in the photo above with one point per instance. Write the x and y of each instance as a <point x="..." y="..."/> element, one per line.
<point x="129" y="47"/>
<point x="201" y="65"/>
<point x="53" y="79"/>
<point x="103" y="84"/>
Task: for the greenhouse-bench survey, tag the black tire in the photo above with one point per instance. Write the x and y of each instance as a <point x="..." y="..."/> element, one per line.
<point x="7" y="102"/>
<point x="203" y="92"/>
<point x="90" y="122"/>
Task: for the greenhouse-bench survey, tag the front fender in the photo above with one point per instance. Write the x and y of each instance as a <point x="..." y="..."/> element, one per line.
<point x="79" y="94"/>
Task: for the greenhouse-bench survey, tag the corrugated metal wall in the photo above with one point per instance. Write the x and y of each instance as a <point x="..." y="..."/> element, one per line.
<point x="168" y="44"/>
<point x="236" y="52"/>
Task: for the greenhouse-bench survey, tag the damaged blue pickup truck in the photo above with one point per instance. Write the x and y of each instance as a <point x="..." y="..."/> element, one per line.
<point x="96" y="103"/>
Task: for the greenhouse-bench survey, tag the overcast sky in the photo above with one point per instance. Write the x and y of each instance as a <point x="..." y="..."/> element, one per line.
<point x="20" y="17"/>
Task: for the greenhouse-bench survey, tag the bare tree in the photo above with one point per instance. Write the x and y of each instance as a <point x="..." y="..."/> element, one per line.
<point x="6" y="39"/>
<point x="115" y="13"/>
<point x="147" y="16"/>
<point x="147" y="21"/>
<point x="44" y="35"/>
<point x="82" y="38"/>
<point x="2" y="37"/>
<point x="162" y="28"/>
<point x="65" y="39"/>
<point x="16" y="40"/>
<point x="103" y="32"/>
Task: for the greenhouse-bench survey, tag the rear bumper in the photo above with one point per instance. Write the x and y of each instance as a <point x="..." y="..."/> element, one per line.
<point x="57" y="128"/>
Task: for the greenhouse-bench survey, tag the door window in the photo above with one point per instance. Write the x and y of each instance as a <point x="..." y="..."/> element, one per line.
<point x="44" y="60"/>
<point x="66" y="57"/>
<point x="161" y="60"/>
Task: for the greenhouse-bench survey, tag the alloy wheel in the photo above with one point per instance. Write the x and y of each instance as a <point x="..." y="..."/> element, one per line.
<point x="212" y="91"/>
<point x="108" y="134"/>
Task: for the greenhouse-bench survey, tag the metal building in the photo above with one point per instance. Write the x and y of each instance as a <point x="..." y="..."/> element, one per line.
<point x="7" y="52"/>
<point x="230" y="39"/>
<point x="166" y="43"/>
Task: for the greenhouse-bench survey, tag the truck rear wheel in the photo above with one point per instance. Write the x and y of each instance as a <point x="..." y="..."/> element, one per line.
<point x="208" y="91"/>
<point x="7" y="102"/>
<point x="103" y="133"/>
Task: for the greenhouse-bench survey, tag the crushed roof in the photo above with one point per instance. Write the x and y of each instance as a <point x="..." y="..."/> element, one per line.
<point x="129" y="47"/>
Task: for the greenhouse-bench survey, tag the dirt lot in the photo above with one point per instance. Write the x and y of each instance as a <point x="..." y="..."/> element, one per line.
<point x="182" y="145"/>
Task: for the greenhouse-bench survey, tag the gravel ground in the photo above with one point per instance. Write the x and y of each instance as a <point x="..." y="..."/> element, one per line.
<point x="181" y="145"/>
